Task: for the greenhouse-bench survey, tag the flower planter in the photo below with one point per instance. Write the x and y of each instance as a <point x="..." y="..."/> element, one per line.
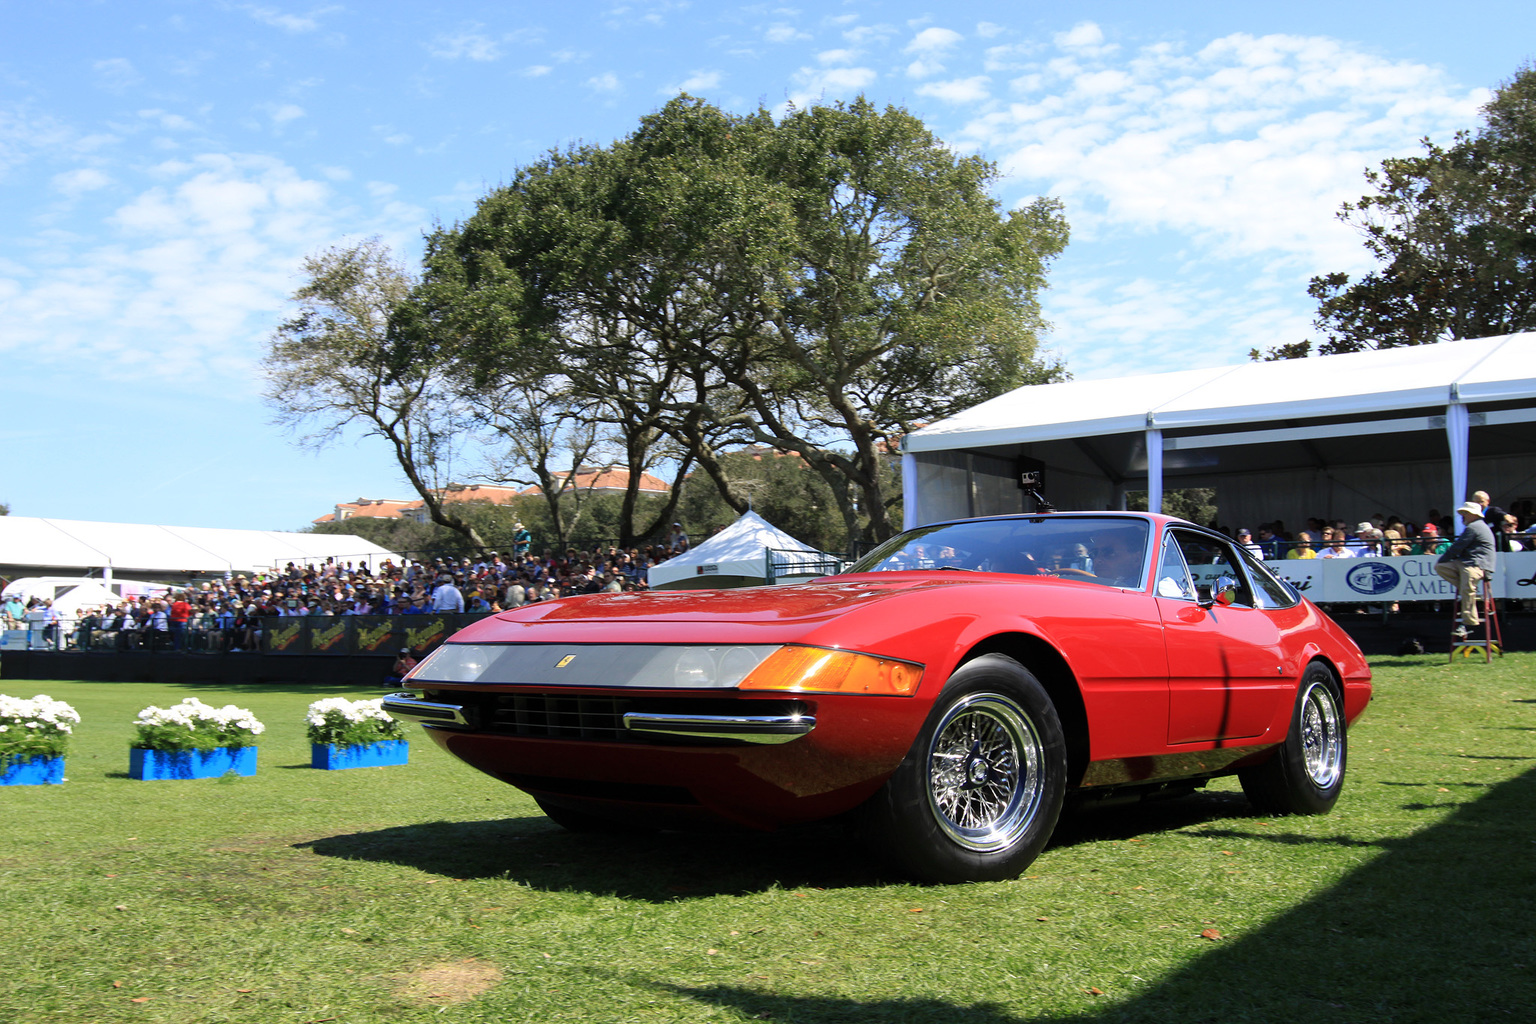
<point x="34" y="771"/>
<point x="191" y="764"/>
<point x="330" y="757"/>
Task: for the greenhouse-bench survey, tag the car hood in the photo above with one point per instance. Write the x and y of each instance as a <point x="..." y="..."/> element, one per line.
<point x="766" y="614"/>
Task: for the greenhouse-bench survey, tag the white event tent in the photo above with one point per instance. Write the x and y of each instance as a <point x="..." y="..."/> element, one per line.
<point x="63" y="547"/>
<point x="738" y="556"/>
<point x="1395" y="431"/>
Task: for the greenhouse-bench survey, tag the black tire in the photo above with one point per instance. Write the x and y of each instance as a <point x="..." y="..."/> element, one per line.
<point x="978" y="795"/>
<point x="1307" y="772"/>
<point x="577" y="819"/>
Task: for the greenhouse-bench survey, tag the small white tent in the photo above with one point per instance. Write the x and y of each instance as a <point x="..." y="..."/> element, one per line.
<point x="738" y="556"/>
<point x="88" y="594"/>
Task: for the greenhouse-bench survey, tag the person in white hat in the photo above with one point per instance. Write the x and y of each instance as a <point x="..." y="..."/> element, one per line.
<point x="1466" y="561"/>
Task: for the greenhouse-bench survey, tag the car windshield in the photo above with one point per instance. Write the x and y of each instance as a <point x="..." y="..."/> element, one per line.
<point x="1108" y="550"/>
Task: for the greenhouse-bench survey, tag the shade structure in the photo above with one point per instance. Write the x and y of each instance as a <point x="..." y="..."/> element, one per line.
<point x="32" y="546"/>
<point x="1397" y="431"/>
<point x="738" y="556"/>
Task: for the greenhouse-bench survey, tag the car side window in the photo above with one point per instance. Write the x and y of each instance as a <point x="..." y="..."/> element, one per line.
<point x="1268" y="590"/>
<point x="1208" y="560"/>
<point x="1172" y="574"/>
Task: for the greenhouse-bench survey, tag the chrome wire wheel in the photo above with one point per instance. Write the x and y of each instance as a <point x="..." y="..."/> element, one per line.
<point x="1322" y="736"/>
<point x="985" y="781"/>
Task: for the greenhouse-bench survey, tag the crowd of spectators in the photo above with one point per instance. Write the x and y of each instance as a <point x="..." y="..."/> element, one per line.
<point x="1387" y="536"/>
<point x="226" y="614"/>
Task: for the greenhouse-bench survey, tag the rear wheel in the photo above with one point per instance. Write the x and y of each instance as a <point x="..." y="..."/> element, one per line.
<point x="978" y="795"/>
<point x="1307" y="772"/>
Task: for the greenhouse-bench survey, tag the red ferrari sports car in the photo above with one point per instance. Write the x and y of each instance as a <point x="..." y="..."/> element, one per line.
<point x="953" y="688"/>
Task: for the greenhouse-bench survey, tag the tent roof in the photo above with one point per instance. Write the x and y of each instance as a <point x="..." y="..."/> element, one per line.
<point x="137" y="548"/>
<point x="737" y="550"/>
<point x="1477" y="370"/>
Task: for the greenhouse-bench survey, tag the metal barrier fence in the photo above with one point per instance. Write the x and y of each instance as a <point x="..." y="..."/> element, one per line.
<point x="309" y="634"/>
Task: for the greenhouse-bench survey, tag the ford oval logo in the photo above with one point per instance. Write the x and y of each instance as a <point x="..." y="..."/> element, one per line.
<point x="1372" y="578"/>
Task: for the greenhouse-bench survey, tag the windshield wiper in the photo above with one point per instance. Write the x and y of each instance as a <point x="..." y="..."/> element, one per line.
<point x="955" y="568"/>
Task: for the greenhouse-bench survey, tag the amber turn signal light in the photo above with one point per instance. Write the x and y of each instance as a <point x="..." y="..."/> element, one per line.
<point x="819" y="670"/>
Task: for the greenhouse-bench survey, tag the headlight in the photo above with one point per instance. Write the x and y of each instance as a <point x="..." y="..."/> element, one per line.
<point x="820" y="670"/>
<point x="670" y="667"/>
<point x="695" y="668"/>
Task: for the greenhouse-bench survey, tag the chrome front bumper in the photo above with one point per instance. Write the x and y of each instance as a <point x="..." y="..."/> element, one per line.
<point x="728" y="728"/>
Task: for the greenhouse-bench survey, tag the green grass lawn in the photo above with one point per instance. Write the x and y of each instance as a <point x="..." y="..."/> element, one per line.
<point x="430" y="892"/>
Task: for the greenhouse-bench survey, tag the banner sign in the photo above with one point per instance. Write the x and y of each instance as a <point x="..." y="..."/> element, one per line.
<point x="285" y="635"/>
<point x="328" y="636"/>
<point x="374" y="634"/>
<point x="360" y="634"/>
<point x="1406" y="578"/>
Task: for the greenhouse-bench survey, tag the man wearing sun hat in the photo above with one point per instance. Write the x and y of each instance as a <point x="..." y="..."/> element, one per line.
<point x="1468" y="560"/>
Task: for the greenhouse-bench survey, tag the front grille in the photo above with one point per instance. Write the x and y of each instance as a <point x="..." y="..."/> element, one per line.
<point x="601" y="719"/>
<point x="559" y="717"/>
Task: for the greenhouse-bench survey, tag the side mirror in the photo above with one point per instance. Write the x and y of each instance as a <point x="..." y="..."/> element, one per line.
<point x="1223" y="592"/>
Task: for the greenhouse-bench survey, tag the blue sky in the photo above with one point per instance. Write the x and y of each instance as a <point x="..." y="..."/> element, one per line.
<point x="165" y="166"/>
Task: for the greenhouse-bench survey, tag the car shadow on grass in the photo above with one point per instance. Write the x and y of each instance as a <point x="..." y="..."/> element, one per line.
<point x="667" y="866"/>
<point x="655" y="867"/>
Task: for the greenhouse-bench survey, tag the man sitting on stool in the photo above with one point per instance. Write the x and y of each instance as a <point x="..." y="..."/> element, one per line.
<point x="1468" y="560"/>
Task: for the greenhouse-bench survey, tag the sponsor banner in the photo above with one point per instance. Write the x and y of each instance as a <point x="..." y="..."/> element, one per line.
<point x="285" y="635"/>
<point x="360" y="634"/>
<point x="328" y="635"/>
<point x="418" y="632"/>
<point x="374" y="634"/>
<point x="1406" y="578"/>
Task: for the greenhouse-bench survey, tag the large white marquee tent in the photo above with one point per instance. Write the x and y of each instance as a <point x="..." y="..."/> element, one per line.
<point x="63" y="547"/>
<point x="1396" y="431"/>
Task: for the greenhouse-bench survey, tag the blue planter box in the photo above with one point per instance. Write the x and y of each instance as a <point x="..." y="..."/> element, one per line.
<point x="34" y="771"/>
<point x="191" y="764"/>
<point x="332" y="758"/>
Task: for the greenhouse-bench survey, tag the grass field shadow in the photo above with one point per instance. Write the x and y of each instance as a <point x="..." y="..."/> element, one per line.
<point x="1440" y="928"/>
<point x="653" y="867"/>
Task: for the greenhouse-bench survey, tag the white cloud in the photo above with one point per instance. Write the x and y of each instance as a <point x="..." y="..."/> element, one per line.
<point x="934" y="41"/>
<point x="1212" y="175"/>
<point x="783" y="32"/>
<point x="80" y="181"/>
<point x="815" y="84"/>
<point x="606" y="82"/>
<point x="186" y="278"/>
<point x="844" y="56"/>
<point x="287" y="112"/>
<point x="695" y="84"/>
<point x="536" y="71"/>
<point x="468" y="45"/>
<point x="869" y="35"/>
<point x="989" y="30"/>
<point x="1085" y="37"/>
<point x="116" y="73"/>
<point x="168" y="121"/>
<point x="295" y="23"/>
<point x="1249" y="144"/>
<point x="959" y="90"/>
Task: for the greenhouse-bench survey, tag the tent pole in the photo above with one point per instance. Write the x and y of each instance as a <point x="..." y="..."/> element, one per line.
<point x="1457" y="429"/>
<point x="1154" y="468"/>
<point x="909" y="491"/>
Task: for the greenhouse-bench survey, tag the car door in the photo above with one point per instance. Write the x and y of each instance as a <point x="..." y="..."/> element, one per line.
<point x="1224" y="664"/>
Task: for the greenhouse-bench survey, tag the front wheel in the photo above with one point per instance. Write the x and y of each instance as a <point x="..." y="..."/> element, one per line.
<point x="1307" y="772"/>
<point x="978" y="794"/>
